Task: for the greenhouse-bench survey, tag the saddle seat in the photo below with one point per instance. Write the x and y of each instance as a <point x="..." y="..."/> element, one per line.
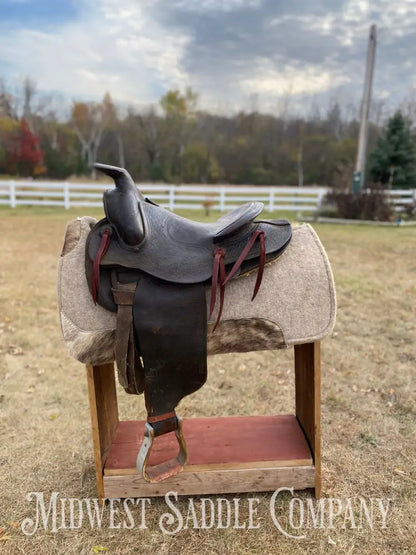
<point x="178" y="250"/>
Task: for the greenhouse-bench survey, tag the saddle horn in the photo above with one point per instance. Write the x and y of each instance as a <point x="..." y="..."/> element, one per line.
<point x="122" y="178"/>
<point x="122" y="205"/>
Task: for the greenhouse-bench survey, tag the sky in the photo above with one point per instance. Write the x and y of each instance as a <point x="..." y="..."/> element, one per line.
<point x="266" y="55"/>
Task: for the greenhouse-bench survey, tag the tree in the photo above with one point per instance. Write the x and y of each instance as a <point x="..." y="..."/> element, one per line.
<point x="178" y="142"/>
<point x="6" y="103"/>
<point x="393" y="162"/>
<point x="30" y="161"/>
<point x="90" y="121"/>
<point x="197" y="164"/>
<point x="176" y="104"/>
<point x="29" y="90"/>
<point x="21" y="150"/>
<point x="59" y="145"/>
<point x="151" y="137"/>
<point x="9" y="132"/>
<point x="179" y="122"/>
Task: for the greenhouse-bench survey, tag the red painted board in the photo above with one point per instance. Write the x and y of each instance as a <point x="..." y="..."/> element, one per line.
<point x="212" y="441"/>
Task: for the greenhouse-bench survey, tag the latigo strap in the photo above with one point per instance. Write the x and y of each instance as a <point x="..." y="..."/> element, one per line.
<point x="129" y="367"/>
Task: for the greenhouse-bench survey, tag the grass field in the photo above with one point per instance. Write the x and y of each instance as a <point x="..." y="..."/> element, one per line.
<point x="368" y="396"/>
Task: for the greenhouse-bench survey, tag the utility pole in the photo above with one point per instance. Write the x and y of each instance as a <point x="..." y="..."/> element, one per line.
<point x="359" y="173"/>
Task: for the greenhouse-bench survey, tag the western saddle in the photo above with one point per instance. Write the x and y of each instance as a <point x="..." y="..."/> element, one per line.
<point x="152" y="268"/>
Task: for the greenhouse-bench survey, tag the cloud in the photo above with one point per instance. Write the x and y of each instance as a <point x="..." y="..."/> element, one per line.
<point x="227" y="51"/>
<point x="292" y="80"/>
<point x="120" y="50"/>
<point x="215" y="5"/>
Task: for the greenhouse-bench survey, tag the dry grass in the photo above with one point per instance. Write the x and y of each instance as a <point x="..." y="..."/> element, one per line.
<point x="368" y="394"/>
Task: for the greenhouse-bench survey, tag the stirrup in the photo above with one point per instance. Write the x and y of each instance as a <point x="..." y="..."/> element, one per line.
<point x="161" y="471"/>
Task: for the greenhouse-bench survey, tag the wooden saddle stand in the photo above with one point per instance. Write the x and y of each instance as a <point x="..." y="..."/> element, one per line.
<point x="239" y="453"/>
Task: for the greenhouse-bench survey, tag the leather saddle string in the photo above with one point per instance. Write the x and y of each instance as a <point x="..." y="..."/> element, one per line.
<point x="262" y="263"/>
<point x="95" y="279"/>
<point x="218" y="277"/>
<point x="259" y="234"/>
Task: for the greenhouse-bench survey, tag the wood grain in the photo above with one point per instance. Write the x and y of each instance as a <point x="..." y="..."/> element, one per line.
<point x="104" y="415"/>
<point x="308" y="400"/>
<point x="212" y="482"/>
<point x="217" y="443"/>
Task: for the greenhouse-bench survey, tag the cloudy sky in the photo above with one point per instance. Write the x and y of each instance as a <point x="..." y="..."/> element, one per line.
<point x="236" y="54"/>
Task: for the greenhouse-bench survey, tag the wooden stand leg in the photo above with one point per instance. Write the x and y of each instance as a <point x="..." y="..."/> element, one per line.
<point x="104" y="415"/>
<point x="308" y="400"/>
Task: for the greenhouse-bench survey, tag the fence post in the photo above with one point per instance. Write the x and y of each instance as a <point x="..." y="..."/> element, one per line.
<point x="222" y="199"/>
<point x="12" y="194"/>
<point x="271" y="199"/>
<point x="320" y="199"/>
<point x="67" y="202"/>
<point x="172" y="198"/>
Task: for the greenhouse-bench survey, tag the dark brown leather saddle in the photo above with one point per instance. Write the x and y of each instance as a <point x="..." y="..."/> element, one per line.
<point x="153" y="267"/>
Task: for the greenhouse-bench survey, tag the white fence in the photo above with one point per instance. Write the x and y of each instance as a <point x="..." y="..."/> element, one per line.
<point x="219" y="197"/>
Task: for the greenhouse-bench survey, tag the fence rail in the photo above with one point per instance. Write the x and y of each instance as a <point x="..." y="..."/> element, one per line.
<point x="193" y="197"/>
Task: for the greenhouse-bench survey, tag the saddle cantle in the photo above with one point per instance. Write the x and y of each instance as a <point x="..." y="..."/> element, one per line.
<point x="152" y="267"/>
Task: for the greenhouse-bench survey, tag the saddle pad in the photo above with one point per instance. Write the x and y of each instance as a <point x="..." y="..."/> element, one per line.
<point x="296" y="303"/>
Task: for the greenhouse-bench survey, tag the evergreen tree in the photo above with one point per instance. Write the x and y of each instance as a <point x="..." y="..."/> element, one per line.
<point x="393" y="161"/>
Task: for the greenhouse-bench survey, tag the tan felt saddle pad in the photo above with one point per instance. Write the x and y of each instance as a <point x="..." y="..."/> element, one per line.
<point x="296" y="303"/>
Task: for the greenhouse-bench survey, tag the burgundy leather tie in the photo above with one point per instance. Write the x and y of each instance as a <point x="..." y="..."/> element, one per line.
<point x="218" y="272"/>
<point x="102" y="249"/>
